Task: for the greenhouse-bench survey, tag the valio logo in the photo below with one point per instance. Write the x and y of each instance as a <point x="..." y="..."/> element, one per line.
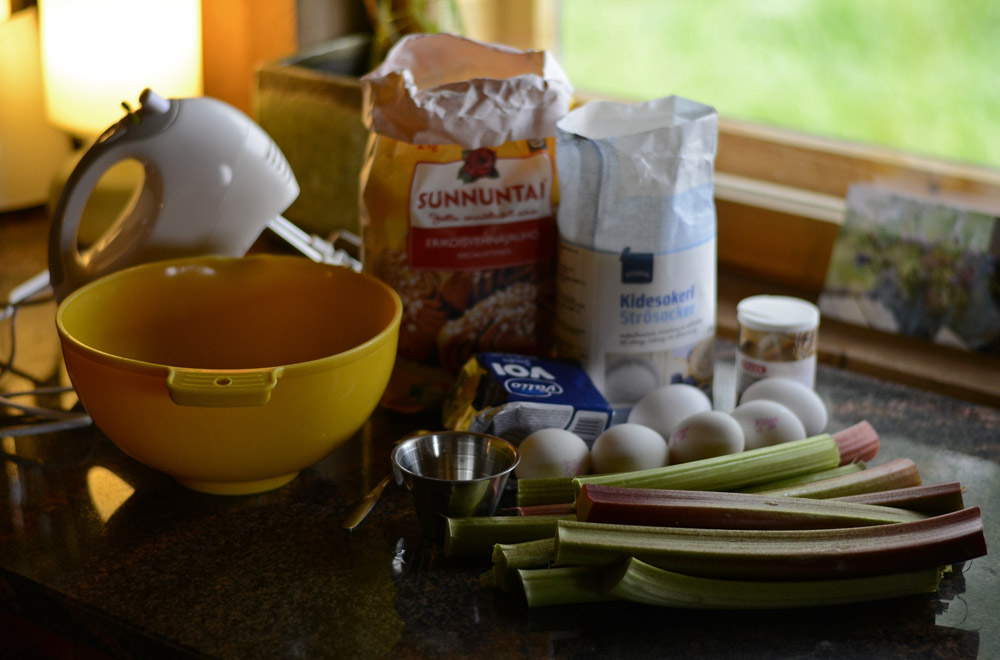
<point x="534" y="388"/>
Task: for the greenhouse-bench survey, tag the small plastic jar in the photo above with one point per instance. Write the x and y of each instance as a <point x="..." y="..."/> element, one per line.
<point x="777" y="337"/>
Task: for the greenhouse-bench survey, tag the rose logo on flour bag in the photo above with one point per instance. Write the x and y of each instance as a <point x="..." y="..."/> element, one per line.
<point x="458" y="200"/>
<point x="479" y="163"/>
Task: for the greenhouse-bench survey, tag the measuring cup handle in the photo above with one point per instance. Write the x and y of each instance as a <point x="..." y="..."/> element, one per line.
<point x="222" y="389"/>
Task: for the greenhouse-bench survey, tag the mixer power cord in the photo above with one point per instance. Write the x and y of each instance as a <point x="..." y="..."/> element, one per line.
<point x="45" y="420"/>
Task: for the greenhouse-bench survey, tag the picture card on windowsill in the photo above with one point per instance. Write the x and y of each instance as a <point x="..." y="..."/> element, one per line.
<point x="917" y="265"/>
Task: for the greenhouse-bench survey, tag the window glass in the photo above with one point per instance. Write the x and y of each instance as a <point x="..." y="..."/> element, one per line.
<point x="918" y="75"/>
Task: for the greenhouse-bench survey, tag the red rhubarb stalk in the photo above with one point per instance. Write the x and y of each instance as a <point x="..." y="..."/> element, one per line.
<point x="715" y="510"/>
<point x="779" y="554"/>
<point x="565" y="508"/>
<point x="859" y="442"/>
<point x="929" y="499"/>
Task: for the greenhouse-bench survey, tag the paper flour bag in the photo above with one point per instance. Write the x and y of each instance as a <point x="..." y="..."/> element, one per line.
<point x="458" y="203"/>
<point x="636" y="300"/>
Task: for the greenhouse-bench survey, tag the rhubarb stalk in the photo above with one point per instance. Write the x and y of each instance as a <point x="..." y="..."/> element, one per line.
<point x="476" y="536"/>
<point x="565" y="508"/>
<point x="803" y="479"/>
<point x="929" y="499"/>
<point x="562" y="585"/>
<point x="643" y="583"/>
<point x="779" y="554"/>
<point x="854" y="444"/>
<point x="549" y="490"/>
<point x="731" y="471"/>
<point x="685" y="508"/>
<point x="857" y="443"/>
<point x="897" y="473"/>
<point x="509" y="557"/>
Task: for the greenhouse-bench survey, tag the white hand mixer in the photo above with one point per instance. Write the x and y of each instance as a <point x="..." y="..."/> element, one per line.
<point x="213" y="182"/>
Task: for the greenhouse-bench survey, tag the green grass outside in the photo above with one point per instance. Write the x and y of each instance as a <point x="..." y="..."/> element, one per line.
<point x="918" y="75"/>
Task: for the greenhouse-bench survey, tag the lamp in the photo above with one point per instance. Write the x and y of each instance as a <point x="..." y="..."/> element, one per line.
<point x="100" y="53"/>
<point x="31" y="150"/>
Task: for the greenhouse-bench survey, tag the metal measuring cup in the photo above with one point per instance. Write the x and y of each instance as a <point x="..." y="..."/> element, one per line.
<point x="453" y="474"/>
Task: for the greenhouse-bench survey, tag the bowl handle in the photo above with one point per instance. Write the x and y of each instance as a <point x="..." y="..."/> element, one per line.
<point x="222" y="389"/>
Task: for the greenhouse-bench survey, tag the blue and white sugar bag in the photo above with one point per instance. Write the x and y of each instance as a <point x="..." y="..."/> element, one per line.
<point x="637" y="244"/>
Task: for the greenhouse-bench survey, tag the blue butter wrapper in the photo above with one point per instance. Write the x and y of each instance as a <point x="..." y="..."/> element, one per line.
<point x="512" y="396"/>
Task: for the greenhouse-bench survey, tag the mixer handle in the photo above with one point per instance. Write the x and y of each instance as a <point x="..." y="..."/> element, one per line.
<point x="68" y="268"/>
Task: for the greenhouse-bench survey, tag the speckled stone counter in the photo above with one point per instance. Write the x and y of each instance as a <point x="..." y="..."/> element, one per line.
<point x="117" y="557"/>
<point x="101" y="557"/>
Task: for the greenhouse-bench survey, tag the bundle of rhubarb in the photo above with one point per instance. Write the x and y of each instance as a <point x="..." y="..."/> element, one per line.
<point x="803" y="523"/>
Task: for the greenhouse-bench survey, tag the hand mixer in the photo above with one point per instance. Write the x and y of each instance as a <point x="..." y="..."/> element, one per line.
<point x="213" y="181"/>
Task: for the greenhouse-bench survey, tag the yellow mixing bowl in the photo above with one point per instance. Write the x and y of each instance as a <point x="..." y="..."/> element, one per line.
<point x="230" y="374"/>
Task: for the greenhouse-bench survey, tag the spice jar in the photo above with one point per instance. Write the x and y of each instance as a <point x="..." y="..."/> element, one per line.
<point x="777" y="337"/>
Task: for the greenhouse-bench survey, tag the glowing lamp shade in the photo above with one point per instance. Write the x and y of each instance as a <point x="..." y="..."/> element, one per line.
<point x="31" y="149"/>
<point x="98" y="53"/>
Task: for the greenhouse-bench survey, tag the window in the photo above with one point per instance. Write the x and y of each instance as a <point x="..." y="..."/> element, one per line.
<point x="916" y="75"/>
<point x="813" y="96"/>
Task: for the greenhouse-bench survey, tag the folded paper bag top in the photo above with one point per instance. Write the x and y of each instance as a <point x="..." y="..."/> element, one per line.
<point x="637" y="174"/>
<point x="447" y="89"/>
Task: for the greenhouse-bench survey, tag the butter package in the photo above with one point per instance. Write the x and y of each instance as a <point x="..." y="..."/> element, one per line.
<point x="512" y="396"/>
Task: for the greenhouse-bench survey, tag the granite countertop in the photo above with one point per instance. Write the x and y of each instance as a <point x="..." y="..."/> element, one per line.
<point x="120" y="560"/>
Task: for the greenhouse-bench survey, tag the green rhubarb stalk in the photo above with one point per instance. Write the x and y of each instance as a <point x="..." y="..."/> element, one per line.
<point x="897" y="473"/>
<point x="802" y="479"/>
<point x="529" y="554"/>
<point x="509" y="557"/>
<point x="541" y="491"/>
<point x="929" y="499"/>
<point x="779" y="554"/>
<point x="731" y="471"/>
<point x="644" y="583"/>
<point x="685" y="508"/>
<point x="854" y="444"/>
<point x="563" y="508"/>
<point x="475" y="536"/>
<point x="563" y="585"/>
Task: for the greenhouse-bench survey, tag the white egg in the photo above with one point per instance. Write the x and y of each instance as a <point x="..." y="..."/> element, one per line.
<point x="705" y="435"/>
<point x="629" y="379"/>
<point x="628" y="447"/>
<point x="552" y="453"/>
<point x="766" y="423"/>
<point x="664" y="408"/>
<point x="795" y="396"/>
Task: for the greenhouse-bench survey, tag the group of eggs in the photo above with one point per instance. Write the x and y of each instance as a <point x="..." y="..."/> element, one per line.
<point x="676" y="424"/>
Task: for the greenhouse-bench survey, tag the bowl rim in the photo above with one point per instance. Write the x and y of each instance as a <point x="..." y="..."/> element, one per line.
<point x="154" y="368"/>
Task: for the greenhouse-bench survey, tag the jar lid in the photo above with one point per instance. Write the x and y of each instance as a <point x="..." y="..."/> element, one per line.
<point x="777" y="314"/>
